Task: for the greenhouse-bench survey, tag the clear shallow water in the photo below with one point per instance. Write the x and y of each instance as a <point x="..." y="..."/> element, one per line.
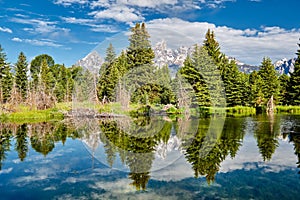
<point x="250" y="158"/>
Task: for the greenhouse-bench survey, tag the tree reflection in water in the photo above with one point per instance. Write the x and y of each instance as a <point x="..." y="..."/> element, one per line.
<point x="135" y="141"/>
<point x="266" y="132"/>
<point x="206" y="151"/>
<point x="137" y="147"/>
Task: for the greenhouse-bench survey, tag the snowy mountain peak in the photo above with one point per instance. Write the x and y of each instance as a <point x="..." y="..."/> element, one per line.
<point x="92" y="62"/>
<point x="285" y="66"/>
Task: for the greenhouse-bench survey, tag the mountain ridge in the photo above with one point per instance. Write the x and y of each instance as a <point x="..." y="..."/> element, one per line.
<point x="175" y="58"/>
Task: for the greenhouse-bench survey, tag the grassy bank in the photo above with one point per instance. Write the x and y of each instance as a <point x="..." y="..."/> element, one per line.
<point x="288" y="109"/>
<point x="23" y="114"/>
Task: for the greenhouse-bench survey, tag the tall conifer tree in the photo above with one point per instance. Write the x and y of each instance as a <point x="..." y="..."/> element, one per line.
<point x="294" y="86"/>
<point x="21" y="75"/>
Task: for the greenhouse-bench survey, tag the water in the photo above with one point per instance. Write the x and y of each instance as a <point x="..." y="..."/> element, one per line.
<point x="241" y="158"/>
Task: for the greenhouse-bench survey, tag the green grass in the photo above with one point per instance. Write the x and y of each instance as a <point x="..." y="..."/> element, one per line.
<point x="239" y="111"/>
<point x="288" y="109"/>
<point x="32" y="116"/>
<point x="23" y="114"/>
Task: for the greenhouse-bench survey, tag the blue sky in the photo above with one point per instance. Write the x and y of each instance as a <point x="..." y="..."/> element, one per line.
<point x="69" y="29"/>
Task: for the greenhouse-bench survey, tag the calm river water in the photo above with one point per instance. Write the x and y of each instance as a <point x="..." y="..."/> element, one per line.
<point x="151" y="158"/>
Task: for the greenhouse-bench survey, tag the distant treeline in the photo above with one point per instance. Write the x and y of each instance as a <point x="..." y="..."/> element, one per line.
<point x="132" y="77"/>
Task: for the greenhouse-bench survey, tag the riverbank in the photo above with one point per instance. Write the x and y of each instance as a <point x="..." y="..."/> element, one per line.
<point x="23" y="114"/>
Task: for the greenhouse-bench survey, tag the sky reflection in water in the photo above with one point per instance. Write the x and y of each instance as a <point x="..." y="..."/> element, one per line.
<point x="77" y="166"/>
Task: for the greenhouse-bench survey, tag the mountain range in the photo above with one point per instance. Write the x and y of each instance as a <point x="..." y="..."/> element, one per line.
<point x="174" y="58"/>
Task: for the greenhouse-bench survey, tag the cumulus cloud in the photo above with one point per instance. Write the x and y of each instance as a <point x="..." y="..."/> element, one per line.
<point x="4" y="29"/>
<point x="132" y="10"/>
<point x="35" y="42"/>
<point x="92" y="24"/>
<point x="249" y="45"/>
<point x="118" y="13"/>
<point x="70" y="2"/>
<point x="44" y="27"/>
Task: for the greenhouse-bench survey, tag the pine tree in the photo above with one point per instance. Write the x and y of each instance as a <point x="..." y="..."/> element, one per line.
<point x="256" y="97"/>
<point x="294" y="85"/>
<point x="36" y="64"/>
<point x="269" y="78"/>
<point x="110" y="54"/>
<point x="21" y="75"/>
<point x="213" y="48"/>
<point x="202" y="73"/>
<point x="109" y="75"/>
<point x="283" y="97"/>
<point x="6" y="78"/>
<point x="139" y="52"/>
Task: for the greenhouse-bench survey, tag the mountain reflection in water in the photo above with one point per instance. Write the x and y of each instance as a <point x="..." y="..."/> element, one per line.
<point x="158" y="156"/>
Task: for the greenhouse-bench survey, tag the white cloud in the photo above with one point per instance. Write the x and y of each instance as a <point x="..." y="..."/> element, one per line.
<point x="16" y="39"/>
<point x="73" y="20"/>
<point x="92" y="24"/>
<point x="118" y="13"/>
<point x="6" y="171"/>
<point x="100" y="3"/>
<point x="132" y="10"/>
<point x="147" y="3"/>
<point x="38" y="26"/>
<point x="104" y="28"/>
<point x="34" y="42"/>
<point x="70" y="2"/>
<point x="249" y="45"/>
<point x="4" y="29"/>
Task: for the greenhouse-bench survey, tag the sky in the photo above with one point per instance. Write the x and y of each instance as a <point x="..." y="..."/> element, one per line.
<point x="68" y="30"/>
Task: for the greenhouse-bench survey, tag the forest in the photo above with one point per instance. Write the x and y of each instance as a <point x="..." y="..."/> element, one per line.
<point x="206" y="79"/>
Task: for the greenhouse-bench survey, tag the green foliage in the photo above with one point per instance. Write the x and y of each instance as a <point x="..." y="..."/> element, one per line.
<point x="5" y="137"/>
<point x="294" y="84"/>
<point x="212" y="47"/>
<point x="36" y="65"/>
<point x="110" y="54"/>
<point x="211" y="145"/>
<point x="204" y="76"/>
<point x="21" y="142"/>
<point x="110" y="73"/>
<point x="21" y="78"/>
<point x="288" y="109"/>
<point x="256" y="97"/>
<point x="270" y="82"/>
<point x="139" y="52"/>
<point x="266" y="136"/>
<point x="6" y="78"/>
<point x="283" y="96"/>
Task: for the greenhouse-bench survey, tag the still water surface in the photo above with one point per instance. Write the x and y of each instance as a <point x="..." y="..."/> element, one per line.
<point x="240" y="158"/>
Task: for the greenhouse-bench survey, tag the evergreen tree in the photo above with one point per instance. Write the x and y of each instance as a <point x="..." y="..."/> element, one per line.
<point x="21" y="141"/>
<point x="283" y="97"/>
<point x="21" y="75"/>
<point x="270" y="82"/>
<point x="139" y="52"/>
<point x="35" y="66"/>
<point x="47" y="79"/>
<point x="108" y="75"/>
<point x="256" y="97"/>
<point x="294" y="84"/>
<point x="110" y="54"/>
<point x="213" y="48"/>
<point x="202" y="73"/>
<point x="6" y="78"/>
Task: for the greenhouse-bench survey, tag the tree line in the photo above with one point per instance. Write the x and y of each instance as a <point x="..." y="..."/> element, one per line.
<point x="39" y="84"/>
<point x="201" y="70"/>
<point x="133" y="77"/>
